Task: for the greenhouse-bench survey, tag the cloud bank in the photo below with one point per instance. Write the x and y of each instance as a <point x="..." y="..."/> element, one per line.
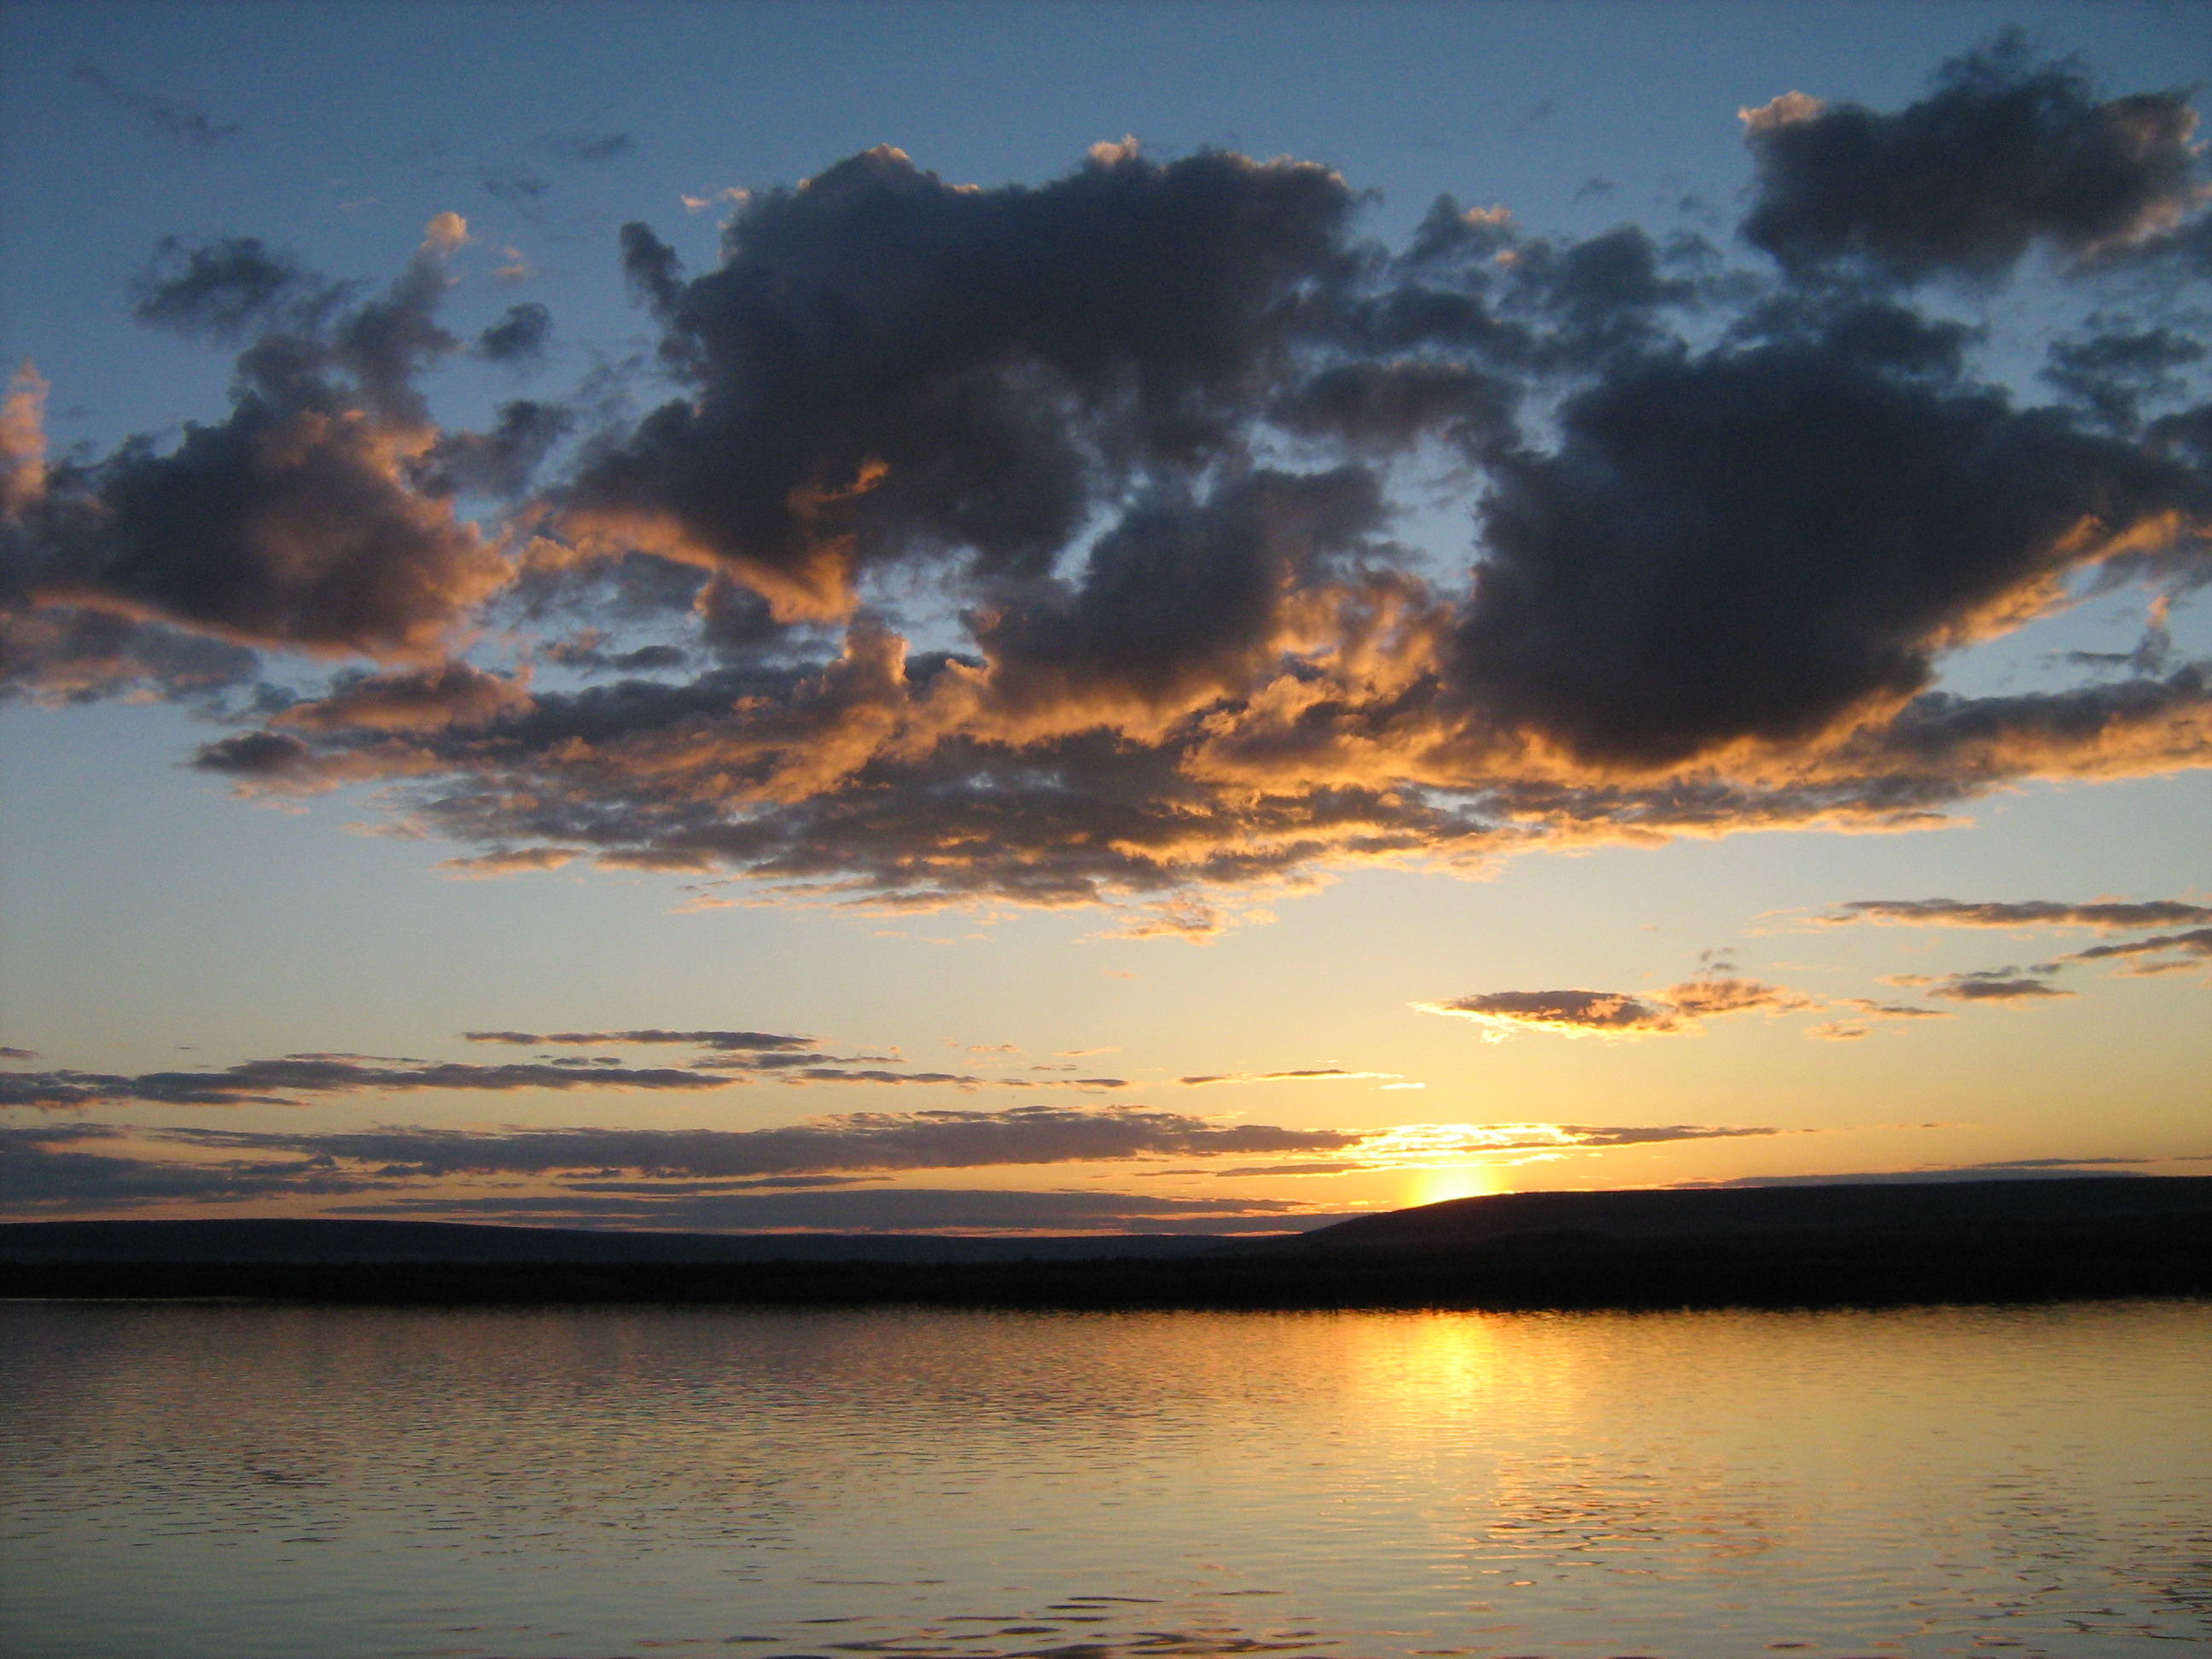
<point x="1041" y="543"/>
<point x="813" y="1174"/>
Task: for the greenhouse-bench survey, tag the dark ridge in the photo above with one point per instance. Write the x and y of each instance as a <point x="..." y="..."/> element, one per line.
<point x="1673" y="1210"/>
<point x="305" y="1241"/>
<point x="1785" y="1247"/>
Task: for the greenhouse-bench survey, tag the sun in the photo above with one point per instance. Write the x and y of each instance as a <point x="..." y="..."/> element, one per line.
<point x="1451" y="1181"/>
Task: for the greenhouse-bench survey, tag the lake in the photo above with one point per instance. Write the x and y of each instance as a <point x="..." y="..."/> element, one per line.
<point x="222" y="1481"/>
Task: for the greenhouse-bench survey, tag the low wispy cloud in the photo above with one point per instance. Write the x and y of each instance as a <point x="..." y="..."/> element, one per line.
<point x="185" y="122"/>
<point x="697" y="1177"/>
<point x="2011" y="985"/>
<point x="1675" y="1012"/>
<point x="2108" y="914"/>
<point x="1313" y="1075"/>
<point x="2174" y="953"/>
<point x="2160" y="953"/>
<point x="56" y="1169"/>
<point x="1995" y="1169"/>
<point x="725" y="1042"/>
<point x="289" y="1080"/>
<point x="724" y="1059"/>
<point x="585" y="149"/>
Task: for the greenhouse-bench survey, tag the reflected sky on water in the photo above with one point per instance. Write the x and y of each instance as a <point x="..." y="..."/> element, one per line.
<point x="234" y="1481"/>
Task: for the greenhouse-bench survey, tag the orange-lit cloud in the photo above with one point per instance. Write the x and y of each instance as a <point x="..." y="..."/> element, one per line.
<point x="1674" y="1012"/>
<point x="1063" y="568"/>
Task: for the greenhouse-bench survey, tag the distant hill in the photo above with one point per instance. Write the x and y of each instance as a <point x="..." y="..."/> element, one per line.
<point x="309" y="1240"/>
<point x="1683" y="1211"/>
<point x="1864" y="1245"/>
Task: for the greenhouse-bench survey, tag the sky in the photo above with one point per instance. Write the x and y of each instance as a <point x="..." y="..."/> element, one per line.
<point x="1095" y="618"/>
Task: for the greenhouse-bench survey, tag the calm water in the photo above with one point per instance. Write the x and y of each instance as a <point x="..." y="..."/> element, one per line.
<point x="232" y="1481"/>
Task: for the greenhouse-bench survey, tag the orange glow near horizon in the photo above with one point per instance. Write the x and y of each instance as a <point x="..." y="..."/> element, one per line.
<point x="1447" y="1181"/>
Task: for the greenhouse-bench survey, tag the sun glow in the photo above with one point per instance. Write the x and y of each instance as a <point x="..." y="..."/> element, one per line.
<point x="1436" y="1186"/>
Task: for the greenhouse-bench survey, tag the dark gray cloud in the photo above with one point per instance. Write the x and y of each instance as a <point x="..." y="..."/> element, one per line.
<point x="226" y="288"/>
<point x="1674" y="1012"/>
<point x="749" y="1179"/>
<point x="2115" y="373"/>
<point x="724" y="1042"/>
<point x="2006" y="985"/>
<point x="292" y="523"/>
<point x="520" y="336"/>
<point x="46" y="1170"/>
<point x="185" y="122"/>
<point x="499" y="462"/>
<point x="881" y="1209"/>
<point x="41" y="1168"/>
<point x="66" y="655"/>
<point x="282" y="1082"/>
<point x="942" y="1139"/>
<point x="1038" y="544"/>
<point x="673" y="1172"/>
<point x="2004" y="152"/>
<point x="582" y="653"/>
<point x="1569" y="1012"/>
<point x="1755" y="543"/>
<point x="1179" y="591"/>
<point x="2113" y="914"/>
<point x="886" y="364"/>
<point x="2017" y="1169"/>
<point x="582" y="149"/>
<point x="2180" y="952"/>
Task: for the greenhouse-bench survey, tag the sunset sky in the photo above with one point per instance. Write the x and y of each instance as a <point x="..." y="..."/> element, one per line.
<point x="1097" y="617"/>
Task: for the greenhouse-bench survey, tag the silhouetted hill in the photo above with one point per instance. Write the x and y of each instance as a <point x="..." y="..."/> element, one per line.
<point x="315" y="1240"/>
<point x="1675" y="1212"/>
<point x="1866" y="1245"/>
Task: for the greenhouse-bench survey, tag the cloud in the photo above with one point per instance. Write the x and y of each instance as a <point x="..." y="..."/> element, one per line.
<point x="43" y="1173"/>
<point x="724" y="1042"/>
<point x="959" y="368"/>
<point x="583" y="149"/>
<point x="41" y="1170"/>
<point x="185" y="122"/>
<point x="870" y="1210"/>
<point x="226" y="288"/>
<point x="2002" y="985"/>
<point x="2111" y="914"/>
<point x="2187" y="950"/>
<point x="941" y="1140"/>
<point x="508" y="861"/>
<point x="1728" y="546"/>
<point x="520" y="336"/>
<point x="421" y="700"/>
<point x="1996" y="1170"/>
<point x="1568" y="1013"/>
<point x="1674" y="1012"/>
<point x="2003" y="152"/>
<point x="295" y="524"/>
<point x="1313" y="1075"/>
<point x="754" y="1179"/>
<point x="1039" y="544"/>
<point x="2114" y="372"/>
<point x="280" y="1082"/>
